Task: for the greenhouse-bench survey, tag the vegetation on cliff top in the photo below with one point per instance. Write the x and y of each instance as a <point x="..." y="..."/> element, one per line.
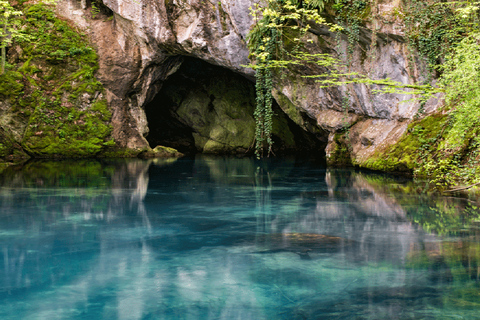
<point x="51" y="99"/>
<point x="442" y="147"/>
<point x="445" y="147"/>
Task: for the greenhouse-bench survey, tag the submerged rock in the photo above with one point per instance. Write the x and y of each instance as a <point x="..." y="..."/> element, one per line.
<point x="301" y="244"/>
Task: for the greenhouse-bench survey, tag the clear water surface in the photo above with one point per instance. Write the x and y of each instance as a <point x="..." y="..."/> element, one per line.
<point x="227" y="238"/>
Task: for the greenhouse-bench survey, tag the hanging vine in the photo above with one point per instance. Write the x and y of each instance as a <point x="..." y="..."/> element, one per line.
<point x="433" y="29"/>
<point x="350" y="15"/>
<point x="264" y="84"/>
<point x="275" y="42"/>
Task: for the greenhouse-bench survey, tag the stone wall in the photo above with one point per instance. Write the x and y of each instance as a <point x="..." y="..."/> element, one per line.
<point x="134" y="46"/>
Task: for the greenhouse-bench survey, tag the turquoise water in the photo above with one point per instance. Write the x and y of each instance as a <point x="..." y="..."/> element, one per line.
<point x="226" y="238"/>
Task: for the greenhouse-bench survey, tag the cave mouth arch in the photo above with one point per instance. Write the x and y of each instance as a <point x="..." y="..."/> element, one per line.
<point x="203" y="108"/>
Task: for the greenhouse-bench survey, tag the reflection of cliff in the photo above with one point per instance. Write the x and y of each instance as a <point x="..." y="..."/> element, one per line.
<point x="69" y="188"/>
<point x="220" y="237"/>
<point x="64" y="205"/>
<point x="365" y="196"/>
<point x="351" y="208"/>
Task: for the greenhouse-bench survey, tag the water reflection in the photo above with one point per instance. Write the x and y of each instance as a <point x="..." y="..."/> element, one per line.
<point x="227" y="238"/>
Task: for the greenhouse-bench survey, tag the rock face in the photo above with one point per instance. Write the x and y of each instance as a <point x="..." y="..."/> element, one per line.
<point x="136" y="45"/>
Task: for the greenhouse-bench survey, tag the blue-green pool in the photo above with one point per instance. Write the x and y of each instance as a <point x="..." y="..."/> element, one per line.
<point x="228" y="238"/>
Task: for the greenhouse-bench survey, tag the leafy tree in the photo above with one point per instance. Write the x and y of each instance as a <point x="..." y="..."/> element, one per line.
<point x="461" y="82"/>
<point x="276" y="42"/>
<point x="9" y="28"/>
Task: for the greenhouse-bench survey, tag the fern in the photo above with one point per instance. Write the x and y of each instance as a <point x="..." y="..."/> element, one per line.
<point x="316" y="4"/>
<point x="95" y="10"/>
<point x="312" y="4"/>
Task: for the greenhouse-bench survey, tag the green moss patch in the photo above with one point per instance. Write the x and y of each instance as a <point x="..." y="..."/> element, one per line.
<point x="340" y="157"/>
<point x="161" y="152"/>
<point x="52" y="85"/>
<point x="10" y="84"/>
<point x="416" y="144"/>
<point x="421" y="151"/>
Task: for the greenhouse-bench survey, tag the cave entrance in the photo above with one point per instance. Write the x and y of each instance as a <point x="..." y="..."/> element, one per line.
<point x="203" y="108"/>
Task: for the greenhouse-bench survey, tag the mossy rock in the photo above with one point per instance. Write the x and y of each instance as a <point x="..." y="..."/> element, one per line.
<point x="55" y="130"/>
<point x="161" y="152"/>
<point x="55" y="88"/>
<point x="341" y="156"/>
<point x="10" y="84"/>
<point x="221" y="114"/>
<point x="422" y="152"/>
<point x="420" y="139"/>
<point x="9" y="149"/>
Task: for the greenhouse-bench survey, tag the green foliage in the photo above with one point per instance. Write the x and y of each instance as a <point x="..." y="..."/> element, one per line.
<point x="279" y="39"/>
<point x="442" y="147"/>
<point x="282" y="25"/>
<point x="416" y="146"/>
<point x="432" y="28"/>
<point x="461" y="80"/>
<point x="10" y="29"/>
<point x="95" y="10"/>
<point x="350" y="15"/>
<point x="55" y="87"/>
<point x="445" y="147"/>
<point x="422" y="151"/>
<point x="264" y="83"/>
<point x="456" y="157"/>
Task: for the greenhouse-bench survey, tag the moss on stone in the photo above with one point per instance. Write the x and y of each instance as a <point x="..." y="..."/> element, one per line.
<point x="55" y="88"/>
<point x="10" y="84"/>
<point x="161" y="152"/>
<point x="421" y="151"/>
<point x="340" y="157"/>
<point x="166" y="150"/>
<point x="289" y="108"/>
<point x="420" y="139"/>
<point x="9" y="149"/>
<point x="281" y="131"/>
<point x="220" y="110"/>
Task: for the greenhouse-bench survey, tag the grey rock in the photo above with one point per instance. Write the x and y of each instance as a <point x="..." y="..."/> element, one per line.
<point x="136" y="45"/>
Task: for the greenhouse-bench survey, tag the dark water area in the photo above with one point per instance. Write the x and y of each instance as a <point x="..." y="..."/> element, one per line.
<point x="227" y="238"/>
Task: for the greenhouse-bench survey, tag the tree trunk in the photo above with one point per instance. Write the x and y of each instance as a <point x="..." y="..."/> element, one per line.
<point x="4" y="48"/>
<point x="3" y="59"/>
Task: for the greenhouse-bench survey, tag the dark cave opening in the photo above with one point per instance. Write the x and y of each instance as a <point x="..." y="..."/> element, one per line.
<point x="203" y="108"/>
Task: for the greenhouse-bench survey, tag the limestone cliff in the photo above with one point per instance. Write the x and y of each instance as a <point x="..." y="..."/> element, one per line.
<point x="142" y="45"/>
<point x="136" y="45"/>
